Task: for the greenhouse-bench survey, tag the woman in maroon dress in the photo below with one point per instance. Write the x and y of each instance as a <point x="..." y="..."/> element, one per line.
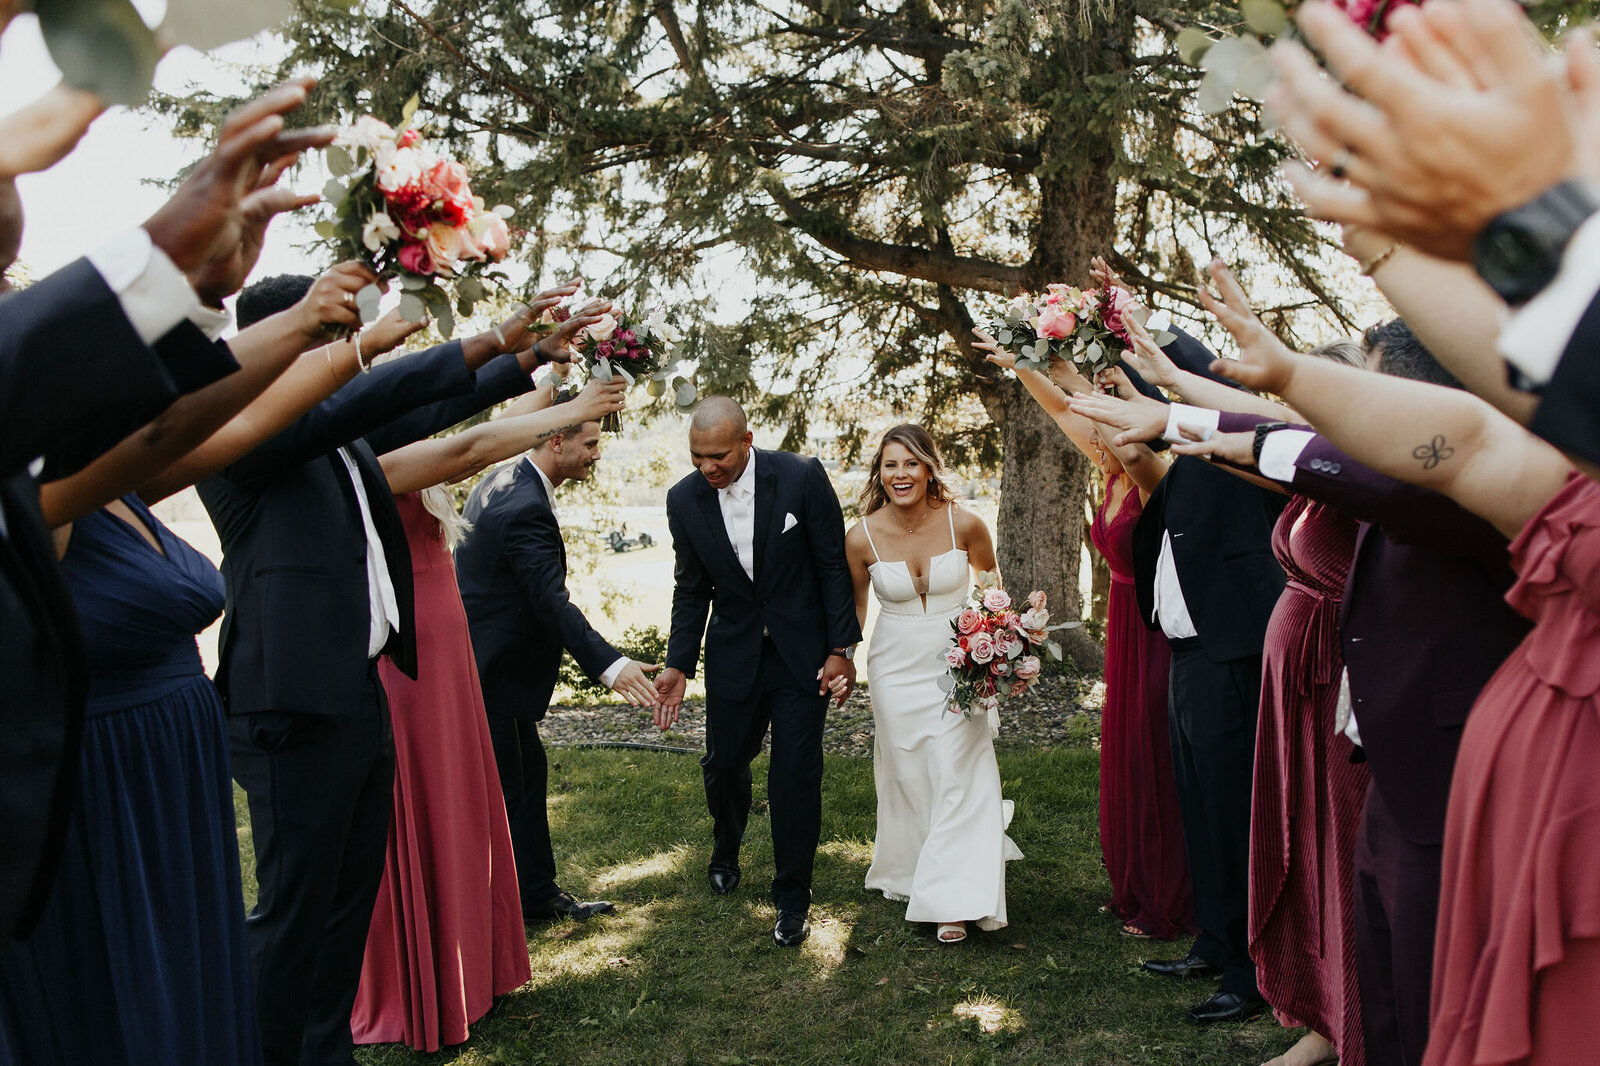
<point x="1141" y="830"/>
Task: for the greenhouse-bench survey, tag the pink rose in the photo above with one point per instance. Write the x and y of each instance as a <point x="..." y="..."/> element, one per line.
<point x="495" y="240"/>
<point x="981" y="649"/>
<point x="956" y="658"/>
<point x="1019" y="688"/>
<point x="445" y="246"/>
<point x="989" y="702"/>
<point x="1006" y="641"/>
<point x="415" y="257"/>
<point x="999" y="668"/>
<point x="447" y="180"/>
<point x="996" y="599"/>
<point x="968" y="621"/>
<point x="408" y="138"/>
<point x="603" y="329"/>
<point x="604" y="350"/>
<point x="1118" y="303"/>
<point x="1028" y="667"/>
<point x="1036" y="599"/>
<point x="1034" y="620"/>
<point x="1055" y="323"/>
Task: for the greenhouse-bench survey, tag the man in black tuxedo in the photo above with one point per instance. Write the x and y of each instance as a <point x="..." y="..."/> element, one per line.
<point x="1207" y="579"/>
<point x="319" y="584"/>
<point x="88" y="355"/>
<point x="759" y="541"/>
<point x="512" y="569"/>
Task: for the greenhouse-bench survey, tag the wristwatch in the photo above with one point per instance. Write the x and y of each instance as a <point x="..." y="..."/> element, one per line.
<point x="1262" y="429"/>
<point x="849" y="653"/>
<point x="1519" y="251"/>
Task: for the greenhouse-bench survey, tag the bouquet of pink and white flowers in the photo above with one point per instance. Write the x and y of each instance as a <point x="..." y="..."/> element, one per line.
<point x="409" y="212"/>
<point x="997" y="652"/>
<point x="635" y="348"/>
<point x="1086" y="327"/>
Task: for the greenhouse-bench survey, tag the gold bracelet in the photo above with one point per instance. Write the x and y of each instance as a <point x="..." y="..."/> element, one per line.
<point x="365" y="365"/>
<point x="1370" y="267"/>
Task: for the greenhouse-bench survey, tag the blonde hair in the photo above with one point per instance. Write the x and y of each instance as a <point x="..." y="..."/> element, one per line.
<point x="916" y="440"/>
<point x="437" y="502"/>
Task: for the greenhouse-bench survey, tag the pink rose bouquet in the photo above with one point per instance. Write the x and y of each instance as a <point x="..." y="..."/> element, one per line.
<point x="1085" y="326"/>
<point x="409" y="213"/>
<point x="996" y="654"/>
<point x="636" y="349"/>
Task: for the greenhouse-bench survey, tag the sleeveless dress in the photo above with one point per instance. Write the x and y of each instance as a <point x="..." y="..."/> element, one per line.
<point x="1141" y="828"/>
<point x="140" y="955"/>
<point x="1307" y="796"/>
<point x="941" y="843"/>
<point x="446" y="934"/>
<point x="1516" y="966"/>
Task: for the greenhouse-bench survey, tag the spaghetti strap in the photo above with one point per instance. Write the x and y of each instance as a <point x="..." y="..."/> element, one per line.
<point x="867" y="529"/>
<point x="951" y="507"/>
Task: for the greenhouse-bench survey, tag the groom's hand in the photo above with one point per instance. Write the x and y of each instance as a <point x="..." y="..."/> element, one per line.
<point x="670" y="685"/>
<point x="633" y="684"/>
<point x="837" y="675"/>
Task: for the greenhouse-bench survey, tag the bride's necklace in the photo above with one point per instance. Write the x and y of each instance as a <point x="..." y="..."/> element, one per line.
<point x="911" y="527"/>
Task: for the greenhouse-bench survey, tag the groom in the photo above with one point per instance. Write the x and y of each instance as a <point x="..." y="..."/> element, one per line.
<point x="759" y="540"/>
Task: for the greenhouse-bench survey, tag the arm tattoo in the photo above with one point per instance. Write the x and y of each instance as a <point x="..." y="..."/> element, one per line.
<point x="1432" y="453"/>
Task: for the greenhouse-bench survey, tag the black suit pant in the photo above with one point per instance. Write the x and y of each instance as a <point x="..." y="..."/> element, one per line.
<point x="734" y="732"/>
<point x="1212" y="709"/>
<point x="524" y="776"/>
<point x="1397" y="905"/>
<point x="321" y="792"/>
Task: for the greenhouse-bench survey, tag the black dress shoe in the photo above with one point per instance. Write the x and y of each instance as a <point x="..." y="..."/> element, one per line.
<point x="792" y="929"/>
<point x="724" y="879"/>
<point x="1191" y="965"/>
<point x="562" y="905"/>
<point x="1227" y="1007"/>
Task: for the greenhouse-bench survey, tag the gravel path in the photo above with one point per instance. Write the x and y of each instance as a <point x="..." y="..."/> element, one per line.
<point x="1062" y="710"/>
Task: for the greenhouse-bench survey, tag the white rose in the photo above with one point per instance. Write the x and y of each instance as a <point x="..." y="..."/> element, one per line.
<point x="399" y="167"/>
<point x="368" y="133"/>
<point x="603" y="329"/>
<point x="379" y="231"/>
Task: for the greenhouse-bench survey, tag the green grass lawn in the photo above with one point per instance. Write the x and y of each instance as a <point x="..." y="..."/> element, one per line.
<point x="679" y="976"/>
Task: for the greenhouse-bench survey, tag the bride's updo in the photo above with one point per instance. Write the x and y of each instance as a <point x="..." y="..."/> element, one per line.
<point x="914" y="439"/>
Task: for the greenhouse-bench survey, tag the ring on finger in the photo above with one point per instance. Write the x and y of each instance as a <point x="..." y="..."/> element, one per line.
<point x="1340" y="167"/>
<point x="349" y="299"/>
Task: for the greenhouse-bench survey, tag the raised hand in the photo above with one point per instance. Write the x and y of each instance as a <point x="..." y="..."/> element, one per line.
<point x="1147" y="358"/>
<point x="204" y="215"/>
<point x="388" y="333"/>
<point x="598" y="399"/>
<point x="1104" y="275"/>
<point x="41" y="134"/>
<point x="1124" y="422"/>
<point x="557" y="347"/>
<point x="329" y="306"/>
<point x="992" y="350"/>
<point x="670" y="686"/>
<point x="633" y="684"/>
<point x="1264" y="364"/>
<point x="221" y="276"/>
<point x="1235" y="448"/>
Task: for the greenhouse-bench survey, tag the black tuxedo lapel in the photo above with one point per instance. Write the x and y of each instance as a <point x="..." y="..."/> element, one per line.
<point x="717" y="530"/>
<point x="527" y="471"/>
<point x="766" y="500"/>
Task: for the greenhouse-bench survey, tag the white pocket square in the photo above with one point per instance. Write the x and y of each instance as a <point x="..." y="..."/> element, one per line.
<point x="789" y="521"/>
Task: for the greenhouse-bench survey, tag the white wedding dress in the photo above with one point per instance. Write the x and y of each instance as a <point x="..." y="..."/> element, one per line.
<point x="941" y="846"/>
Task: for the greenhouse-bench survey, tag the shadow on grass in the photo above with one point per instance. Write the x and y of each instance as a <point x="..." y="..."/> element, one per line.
<point x="680" y="976"/>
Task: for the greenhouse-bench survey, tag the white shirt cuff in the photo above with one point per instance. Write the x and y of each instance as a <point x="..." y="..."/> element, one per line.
<point x="1533" y="338"/>
<point x="1198" y="420"/>
<point x="153" y="292"/>
<point x="209" y="321"/>
<point x="609" y="678"/>
<point x="1279" y="452"/>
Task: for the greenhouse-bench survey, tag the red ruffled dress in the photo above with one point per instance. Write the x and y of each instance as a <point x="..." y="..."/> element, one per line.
<point x="1516" y="973"/>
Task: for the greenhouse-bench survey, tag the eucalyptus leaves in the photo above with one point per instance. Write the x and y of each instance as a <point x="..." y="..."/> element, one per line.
<point x="1086" y="327"/>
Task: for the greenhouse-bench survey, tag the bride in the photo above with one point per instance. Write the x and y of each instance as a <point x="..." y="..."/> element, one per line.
<point x="941" y="845"/>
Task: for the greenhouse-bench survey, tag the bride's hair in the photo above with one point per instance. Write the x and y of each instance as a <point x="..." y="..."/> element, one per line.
<point x="914" y="439"/>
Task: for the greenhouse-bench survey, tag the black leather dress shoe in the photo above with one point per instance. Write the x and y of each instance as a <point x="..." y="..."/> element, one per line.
<point x="792" y="929"/>
<point x="562" y="905"/>
<point x="724" y="879"/>
<point x="1227" y="1007"/>
<point x="1191" y="965"/>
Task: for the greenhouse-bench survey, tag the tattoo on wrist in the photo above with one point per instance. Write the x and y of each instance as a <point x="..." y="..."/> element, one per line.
<point x="1432" y="453"/>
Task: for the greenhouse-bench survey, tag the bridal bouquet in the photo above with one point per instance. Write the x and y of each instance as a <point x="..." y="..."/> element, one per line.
<point x="996" y="652"/>
<point x="1086" y="327"/>
<point x="408" y="212"/>
<point x="636" y="349"/>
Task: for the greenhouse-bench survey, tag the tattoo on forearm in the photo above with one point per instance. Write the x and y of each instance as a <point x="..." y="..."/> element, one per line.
<point x="1432" y="453"/>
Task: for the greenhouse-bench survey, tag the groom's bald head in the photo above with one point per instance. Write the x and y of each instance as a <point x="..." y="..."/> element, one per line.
<point x="719" y="440"/>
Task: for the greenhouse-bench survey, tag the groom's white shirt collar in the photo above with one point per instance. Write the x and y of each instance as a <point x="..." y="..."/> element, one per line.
<point x="740" y="521"/>
<point x="745" y="482"/>
<point x="549" y="486"/>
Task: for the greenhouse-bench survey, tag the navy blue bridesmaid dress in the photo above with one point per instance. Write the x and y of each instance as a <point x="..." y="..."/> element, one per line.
<point x="140" y="955"/>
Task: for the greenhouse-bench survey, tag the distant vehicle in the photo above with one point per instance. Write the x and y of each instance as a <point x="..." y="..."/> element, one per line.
<point x="619" y="540"/>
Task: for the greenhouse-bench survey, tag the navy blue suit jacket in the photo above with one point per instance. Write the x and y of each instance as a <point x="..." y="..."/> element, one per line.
<point x="294" y="637"/>
<point x="1568" y="414"/>
<point x="802" y="594"/>
<point x="512" y="569"/>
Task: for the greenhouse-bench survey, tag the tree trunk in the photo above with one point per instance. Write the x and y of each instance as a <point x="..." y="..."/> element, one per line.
<point x="1042" y="484"/>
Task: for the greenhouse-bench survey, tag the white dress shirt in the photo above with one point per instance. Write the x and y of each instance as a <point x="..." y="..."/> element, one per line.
<point x="609" y="676"/>
<point x="153" y="292"/>
<point x="1533" y="338"/>
<point x="383" y="606"/>
<point x="738" y="502"/>
<point x="1170" y="608"/>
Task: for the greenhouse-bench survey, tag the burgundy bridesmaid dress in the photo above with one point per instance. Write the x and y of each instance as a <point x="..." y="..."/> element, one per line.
<point x="1516" y="965"/>
<point x="1307" y="795"/>
<point x="1141" y="831"/>
<point x="446" y="934"/>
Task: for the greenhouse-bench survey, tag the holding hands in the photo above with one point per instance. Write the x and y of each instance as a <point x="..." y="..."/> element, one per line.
<point x="633" y="684"/>
<point x="670" y="686"/>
